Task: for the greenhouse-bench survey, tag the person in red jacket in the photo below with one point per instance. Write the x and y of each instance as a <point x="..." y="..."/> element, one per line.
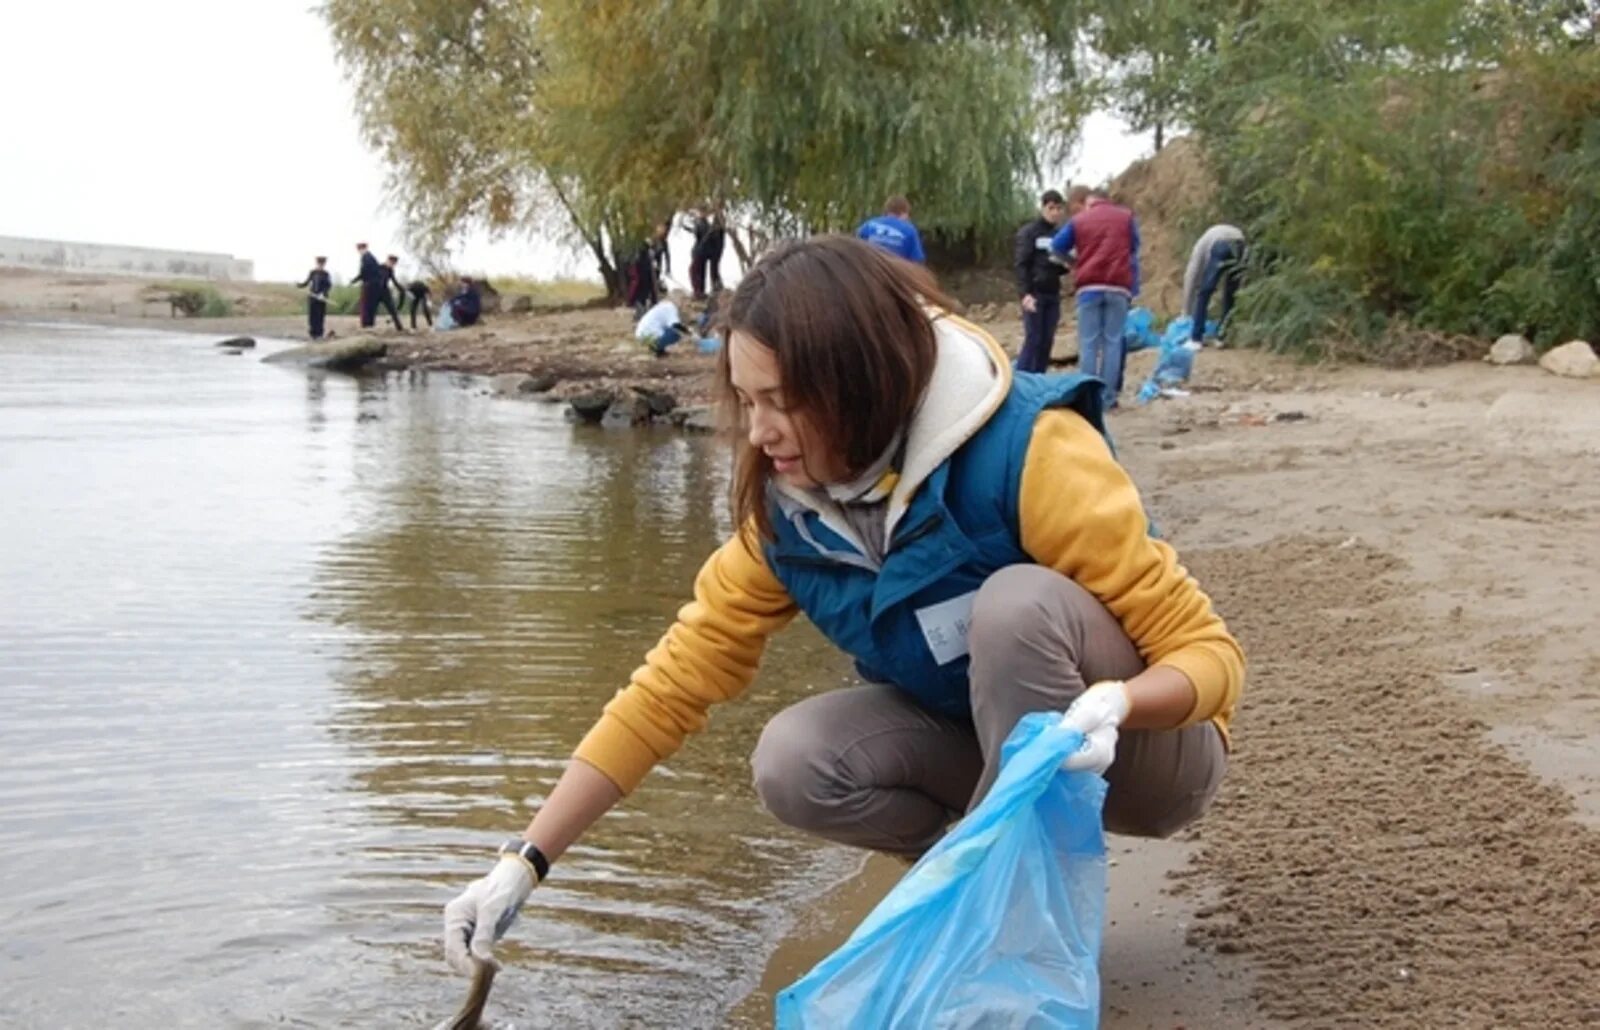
<point x="1106" y="238"/>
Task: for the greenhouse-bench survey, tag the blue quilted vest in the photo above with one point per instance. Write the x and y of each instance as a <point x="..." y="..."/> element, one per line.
<point x="905" y="623"/>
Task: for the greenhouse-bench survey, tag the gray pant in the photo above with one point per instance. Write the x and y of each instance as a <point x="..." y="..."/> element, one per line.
<point x="866" y="766"/>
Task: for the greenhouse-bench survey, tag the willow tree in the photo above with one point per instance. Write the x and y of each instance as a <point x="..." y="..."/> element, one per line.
<point x="1148" y="52"/>
<point x="447" y="92"/>
<point x="800" y="117"/>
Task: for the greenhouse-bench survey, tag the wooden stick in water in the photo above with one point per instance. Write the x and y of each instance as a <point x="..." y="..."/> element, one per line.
<point x="470" y="1015"/>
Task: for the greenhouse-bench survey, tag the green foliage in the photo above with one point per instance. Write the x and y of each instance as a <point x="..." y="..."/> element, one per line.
<point x="196" y="300"/>
<point x="597" y="119"/>
<point x="1414" y="172"/>
<point x="344" y="300"/>
<point x="1149" y="53"/>
<point x="1408" y="173"/>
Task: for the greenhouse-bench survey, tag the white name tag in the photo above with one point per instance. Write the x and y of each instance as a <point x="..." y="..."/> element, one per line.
<point x="1041" y="243"/>
<point x="944" y="627"/>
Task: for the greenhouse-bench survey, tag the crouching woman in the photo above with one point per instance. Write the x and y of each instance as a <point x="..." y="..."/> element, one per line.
<point x="963" y="532"/>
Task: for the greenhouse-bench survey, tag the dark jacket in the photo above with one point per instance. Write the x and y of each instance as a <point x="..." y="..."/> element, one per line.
<point x="372" y="271"/>
<point x="1037" y="273"/>
<point x="319" y="281"/>
<point x="716" y="236"/>
<point x="467" y="306"/>
<point x="709" y="237"/>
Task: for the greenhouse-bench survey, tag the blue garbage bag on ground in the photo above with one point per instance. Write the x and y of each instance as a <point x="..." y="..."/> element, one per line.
<point x="1139" y="331"/>
<point x="1177" y="332"/>
<point x="998" y="925"/>
<point x="1176" y="362"/>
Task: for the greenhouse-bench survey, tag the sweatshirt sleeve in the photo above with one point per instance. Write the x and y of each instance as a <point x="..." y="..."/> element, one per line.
<point x="710" y="654"/>
<point x="1064" y="240"/>
<point x="1081" y="515"/>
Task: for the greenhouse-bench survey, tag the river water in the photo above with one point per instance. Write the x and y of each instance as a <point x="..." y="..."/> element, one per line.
<point x="283" y="658"/>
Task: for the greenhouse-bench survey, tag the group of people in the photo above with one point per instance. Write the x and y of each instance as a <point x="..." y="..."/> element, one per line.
<point x="1089" y="236"/>
<point x="646" y="268"/>
<point x="1095" y="240"/>
<point x="382" y="288"/>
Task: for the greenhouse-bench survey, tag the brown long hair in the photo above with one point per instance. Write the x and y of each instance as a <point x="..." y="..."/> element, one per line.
<point x="855" y="347"/>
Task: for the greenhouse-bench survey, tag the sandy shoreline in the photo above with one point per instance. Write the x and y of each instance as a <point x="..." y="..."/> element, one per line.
<point x="1410" y="831"/>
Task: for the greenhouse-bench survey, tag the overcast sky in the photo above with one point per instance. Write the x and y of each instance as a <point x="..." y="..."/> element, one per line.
<point x="226" y="125"/>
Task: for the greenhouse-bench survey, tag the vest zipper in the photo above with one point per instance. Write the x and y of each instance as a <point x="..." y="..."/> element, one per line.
<point x="923" y="529"/>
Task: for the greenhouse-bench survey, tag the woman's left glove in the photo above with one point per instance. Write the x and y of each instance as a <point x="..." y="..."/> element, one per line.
<point x="1096" y="714"/>
<point x="481" y="914"/>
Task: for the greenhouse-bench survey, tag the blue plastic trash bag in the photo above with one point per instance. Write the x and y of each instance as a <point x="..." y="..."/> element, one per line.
<point x="1139" y="331"/>
<point x="1176" y="363"/>
<point x="709" y="344"/>
<point x="999" y="924"/>
<point x="1177" y="332"/>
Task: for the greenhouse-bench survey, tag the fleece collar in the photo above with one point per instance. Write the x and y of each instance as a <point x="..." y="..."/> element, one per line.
<point x="971" y="376"/>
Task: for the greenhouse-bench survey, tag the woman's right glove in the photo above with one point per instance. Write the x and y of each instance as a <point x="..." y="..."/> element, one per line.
<point x="1096" y="713"/>
<point x="481" y="914"/>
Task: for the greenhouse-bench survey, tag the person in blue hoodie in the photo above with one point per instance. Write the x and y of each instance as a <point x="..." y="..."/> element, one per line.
<point x="893" y="231"/>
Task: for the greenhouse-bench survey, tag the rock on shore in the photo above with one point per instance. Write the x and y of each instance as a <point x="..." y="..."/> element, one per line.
<point x="1575" y="360"/>
<point x="339" y="356"/>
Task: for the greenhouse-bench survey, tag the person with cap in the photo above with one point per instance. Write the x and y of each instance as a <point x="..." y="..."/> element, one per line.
<point x="369" y="276"/>
<point x="317" y="284"/>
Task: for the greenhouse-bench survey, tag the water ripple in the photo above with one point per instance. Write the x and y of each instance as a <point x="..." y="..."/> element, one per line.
<point x="285" y="659"/>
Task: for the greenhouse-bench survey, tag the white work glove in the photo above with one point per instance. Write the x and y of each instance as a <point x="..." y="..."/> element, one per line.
<point x="481" y="914"/>
<point x="1096" y="714"/>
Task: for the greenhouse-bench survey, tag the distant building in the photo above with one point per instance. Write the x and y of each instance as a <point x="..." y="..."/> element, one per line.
<point x="105" y="259"/>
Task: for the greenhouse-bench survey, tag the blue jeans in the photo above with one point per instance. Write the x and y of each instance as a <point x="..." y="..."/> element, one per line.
<point x="1101" y="317"/>
<point x="1224" y="266"/>
<point x="1039" y="333"/>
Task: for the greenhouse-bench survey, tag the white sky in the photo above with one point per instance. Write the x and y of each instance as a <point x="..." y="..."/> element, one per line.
<point x="225" y="125"/>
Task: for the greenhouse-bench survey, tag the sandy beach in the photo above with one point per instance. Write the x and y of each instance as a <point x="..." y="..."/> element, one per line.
<point x="1409" y="834"/>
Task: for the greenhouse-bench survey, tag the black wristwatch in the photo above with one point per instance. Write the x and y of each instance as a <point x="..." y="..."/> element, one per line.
<point x="526" y="850"/>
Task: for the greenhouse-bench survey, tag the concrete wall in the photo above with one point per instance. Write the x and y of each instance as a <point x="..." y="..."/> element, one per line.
<point x="60" y="256"/>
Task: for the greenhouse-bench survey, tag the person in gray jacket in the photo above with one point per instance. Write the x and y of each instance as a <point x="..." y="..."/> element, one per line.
<point x="1216" y="260"/>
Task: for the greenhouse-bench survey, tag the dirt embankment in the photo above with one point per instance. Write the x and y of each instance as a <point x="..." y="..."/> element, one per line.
<point x="1166" y="192"/>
